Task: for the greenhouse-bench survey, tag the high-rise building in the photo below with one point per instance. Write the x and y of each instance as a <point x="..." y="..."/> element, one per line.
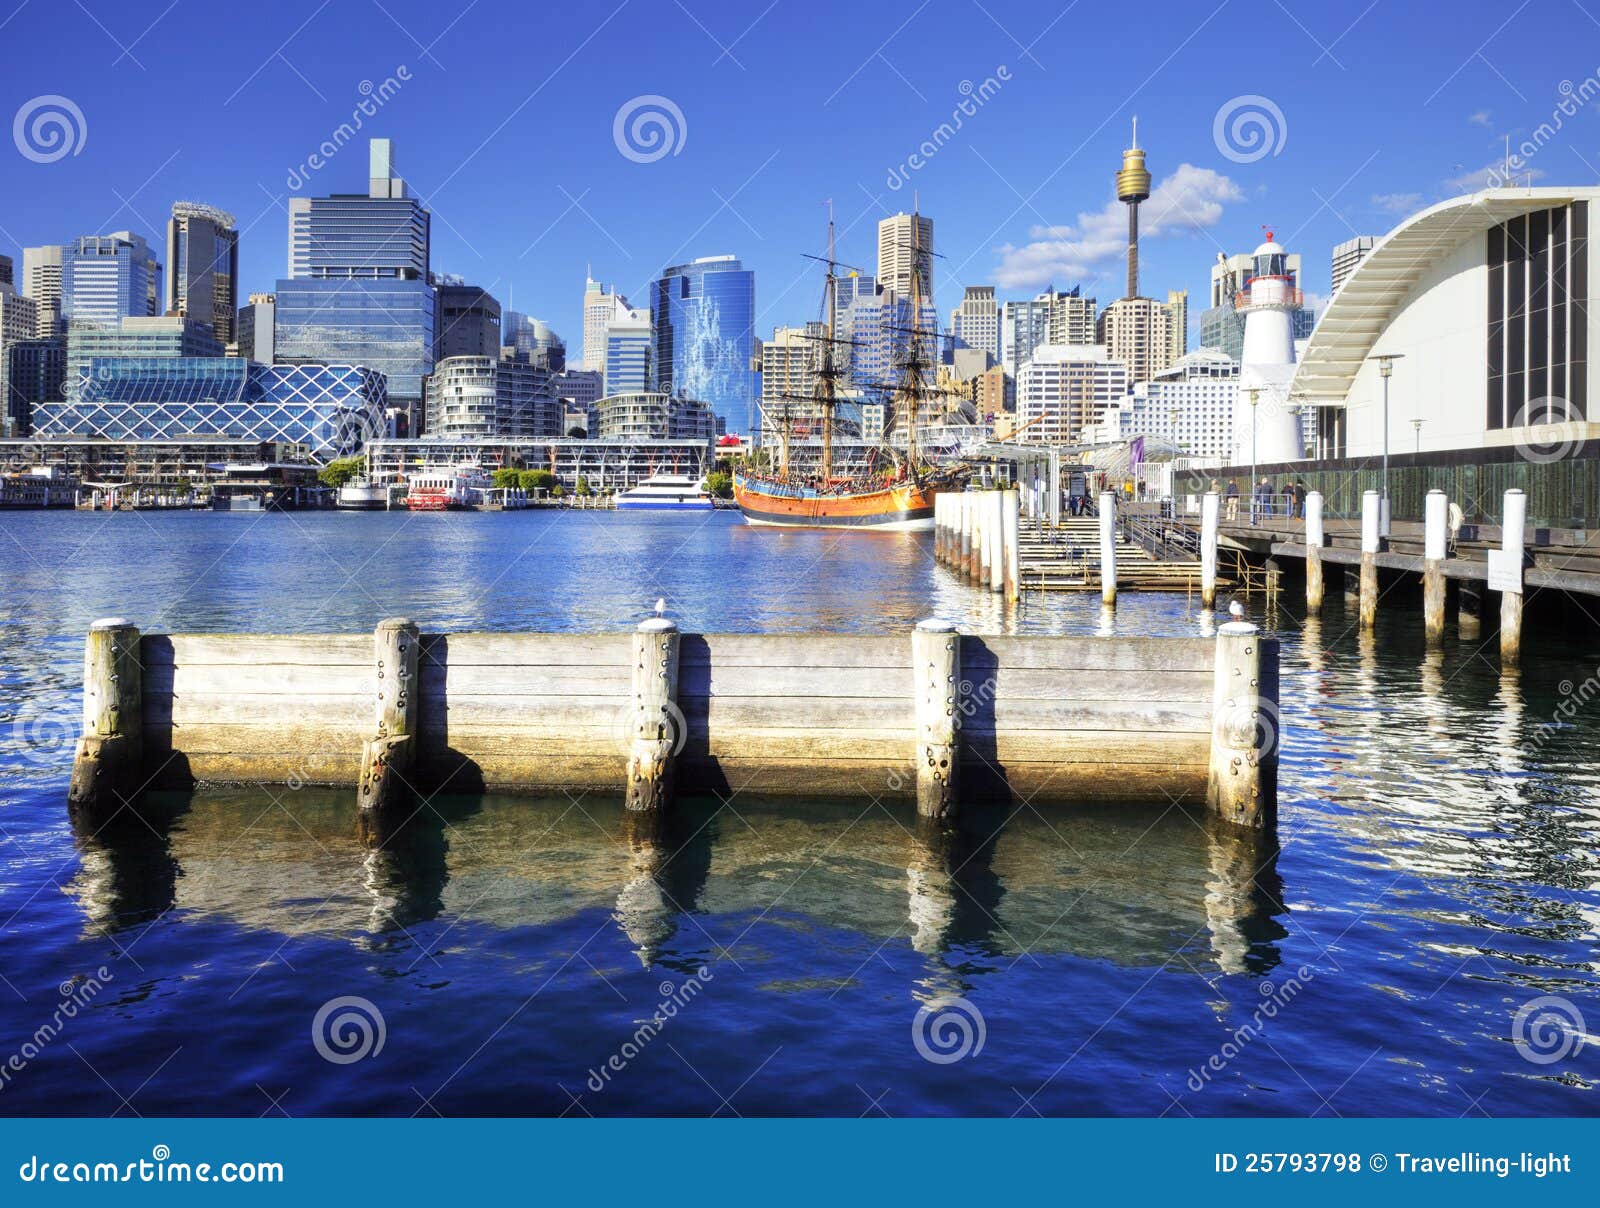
<point x="18" y="321"/>
<point x="879" y="324"/>
<point x="898" y="244"/>
<point x="8" y="273"/>
<point x="141" y="336"/>
<point x="1066" y="388"/>
<point x="1138" y="332"/>
<point x="34" y="370"/>
<point x="203" y="267"/>
<point x="703" y="313"/>
<point x="600" y="306"/>
<point x="41" y="281"/>
<point x="789" y="364"/>
<point x="534" y="337"/>
<point x="1070" y="317"/>
<point x="976" y="322"/>
<point x="1178" y="308"/>
<point x="257" y="328"/>
<point x="1222" y="323"/>
<point x="469" y="322"/>
<point x="1189" y="404"/>
<point x="654" y="416"/>
<point x="580" y="390"/>
<point x="630" y="353"/>
<point x="107" y="278"/>
<point x="499" y="397"/>
<point x="1347" y="255"/>
<point x="358" y="290"/>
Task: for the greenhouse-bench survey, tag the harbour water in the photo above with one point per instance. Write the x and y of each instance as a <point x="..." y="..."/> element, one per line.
<point x="1432" y="918"/>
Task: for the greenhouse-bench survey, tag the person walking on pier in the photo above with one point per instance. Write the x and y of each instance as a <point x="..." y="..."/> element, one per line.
<point x="1298" y="497"/>
<point x="1233" y="499"/>
<point x="1261" y="501"/>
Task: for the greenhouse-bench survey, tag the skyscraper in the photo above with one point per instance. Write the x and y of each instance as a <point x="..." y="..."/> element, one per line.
<point x="469" y="322"/>
<point x="976" y="322"/>
<point x="600" y="306"/>
<point x="1178" y="307"/>
<point x="630" y="353"/>
<point x="703" y="314"/>
<point x="1347" y="255"/>
<point x="895" y="239"/>
<point x="257" y="329"/>
<point x="534" y="337"/>
<point x="7" y="272"/>
<point x="1138" y="333"/>
<point x="107" y="278"/>
<point x="203" y="267"/>
<point x="41" y="281"/>
<point x="358" y="290"/>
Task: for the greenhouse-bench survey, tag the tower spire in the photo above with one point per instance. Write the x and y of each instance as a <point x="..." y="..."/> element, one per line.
<point x="1133" y="186"/>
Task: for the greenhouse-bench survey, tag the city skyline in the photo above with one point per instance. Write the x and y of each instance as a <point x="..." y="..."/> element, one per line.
<point x="535" y="177"/>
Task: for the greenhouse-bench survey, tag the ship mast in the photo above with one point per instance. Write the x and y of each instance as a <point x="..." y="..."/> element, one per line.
<point x="911" y="383"/>
<point x="828" y="372"/>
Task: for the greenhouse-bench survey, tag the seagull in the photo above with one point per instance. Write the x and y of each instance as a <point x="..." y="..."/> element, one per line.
<point x="661" y="607"/>
<point x="1236" y="610"/>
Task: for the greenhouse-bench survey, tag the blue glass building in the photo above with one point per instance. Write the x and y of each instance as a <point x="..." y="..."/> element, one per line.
<point x="332" y="409"/>
<point x="703" y="315"/>
<point x="107" y="278"/>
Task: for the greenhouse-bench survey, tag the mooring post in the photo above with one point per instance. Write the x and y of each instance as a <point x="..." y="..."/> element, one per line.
<point x="941" y="526"/>
<point x="1314" y="543"/>
<point x="997" y="534"/>
<point x="1469" y="609"/>
<point x="1512" y="540"/>
<point x="1052" y="485"/>
<point x="387" y="760"/>
<point x="982" y="540"/>
<point x="110" y="754"/>
<point x="1010" y="524"/>
<point x="1434" y="514"/>
<point x="964" y="552"/>
<point x="1108" y="549"/>
<point x="936" y="659"/>
<point x="1370" y="526"/>
<point x="1209" y="511"/>
<point x="1242" y="780"/>
<point x="657" y="726"/>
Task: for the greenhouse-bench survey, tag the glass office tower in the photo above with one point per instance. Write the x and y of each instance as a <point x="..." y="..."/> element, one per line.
<point x="703" y="315"/>
<point x="203" y="267"/>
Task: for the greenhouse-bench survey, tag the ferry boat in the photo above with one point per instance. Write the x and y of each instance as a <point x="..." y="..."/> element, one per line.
<point x="363" y="495"/>
<point x="455" y="490"/>
<point x="673" y="492"/>
<point x="895" y="495"/>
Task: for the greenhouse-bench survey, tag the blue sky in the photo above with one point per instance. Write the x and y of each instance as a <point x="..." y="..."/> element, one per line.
<point x="506" y="127"/>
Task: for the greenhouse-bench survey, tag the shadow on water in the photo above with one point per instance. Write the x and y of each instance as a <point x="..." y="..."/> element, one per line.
<point x="1129" y="886"/>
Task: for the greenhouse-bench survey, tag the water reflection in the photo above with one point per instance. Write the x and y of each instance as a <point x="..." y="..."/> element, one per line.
<point x="1129" y="886"/>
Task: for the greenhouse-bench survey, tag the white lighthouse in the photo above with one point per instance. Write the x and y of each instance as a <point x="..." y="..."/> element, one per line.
<point x="1267" y="429"/>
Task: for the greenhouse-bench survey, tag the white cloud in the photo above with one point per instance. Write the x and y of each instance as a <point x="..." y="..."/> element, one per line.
<point x="1491" y="176"/>
<point x="1480" y="118"/>
<point x="1397" y="203"/>
<point x="1190" y="199"/>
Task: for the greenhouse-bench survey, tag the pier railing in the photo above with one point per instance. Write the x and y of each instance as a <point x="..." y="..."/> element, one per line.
<point x="934" y="715"/>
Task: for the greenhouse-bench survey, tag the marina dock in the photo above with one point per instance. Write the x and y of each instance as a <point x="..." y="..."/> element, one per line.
<point x="930" y="715"/>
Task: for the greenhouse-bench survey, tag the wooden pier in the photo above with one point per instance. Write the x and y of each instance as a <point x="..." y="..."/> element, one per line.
<point x="932" y="715"/>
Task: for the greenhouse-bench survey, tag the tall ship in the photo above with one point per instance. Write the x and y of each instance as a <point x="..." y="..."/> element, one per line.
<point x="895" y="490"/>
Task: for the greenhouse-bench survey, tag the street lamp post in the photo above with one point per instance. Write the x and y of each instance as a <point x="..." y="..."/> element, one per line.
<point x="1386" y="362"/>
<point x="1416" y="426"/>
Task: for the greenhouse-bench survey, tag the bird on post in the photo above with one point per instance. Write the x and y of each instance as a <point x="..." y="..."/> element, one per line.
<point x="1236" y="610"/>
<point x="661" y="606"/>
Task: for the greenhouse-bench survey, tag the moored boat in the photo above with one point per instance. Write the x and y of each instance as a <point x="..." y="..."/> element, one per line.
<point x="670" y="492"/>
<point x="894" y="507"/>
<point x="454" y="490"/>
<point x="363" y="495"/>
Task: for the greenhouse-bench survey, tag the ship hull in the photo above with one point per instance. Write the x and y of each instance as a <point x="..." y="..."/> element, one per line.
<point x="905" y="508"/>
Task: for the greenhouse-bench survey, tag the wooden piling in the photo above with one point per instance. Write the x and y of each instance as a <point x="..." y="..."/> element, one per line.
<point x="1513" y="537"/>
<point x="1314" y="543"/>
<point x="1435" y="512"/>
<point x="109" y="759"/>
<point x="1108" y="549"/>
<point x="1469" y="609"/>
<point x="1009" y="541"/>
<point x="1052" y="486"/>
<point x="388" y="759"/>
<point x="971" y="547"/>
<point x="657" y="727"/>
<point x="997" y="524"/>
<point x="936" y="660"/>
<point x="1210" y="507"/>
<point x="1370" y="525"/>
<point x="1242" y="781"/>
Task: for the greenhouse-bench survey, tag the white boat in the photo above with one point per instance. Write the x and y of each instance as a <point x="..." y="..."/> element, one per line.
<point x="363" y="495"/>
<point x="673" y="492"/>
<point x="461" y="488"/>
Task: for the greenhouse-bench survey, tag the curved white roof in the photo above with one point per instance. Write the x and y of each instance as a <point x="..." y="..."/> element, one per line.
<point x="1367" y="301"/>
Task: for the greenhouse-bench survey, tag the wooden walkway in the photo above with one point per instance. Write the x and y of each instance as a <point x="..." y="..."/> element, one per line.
<point x="1067" y="558"/>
